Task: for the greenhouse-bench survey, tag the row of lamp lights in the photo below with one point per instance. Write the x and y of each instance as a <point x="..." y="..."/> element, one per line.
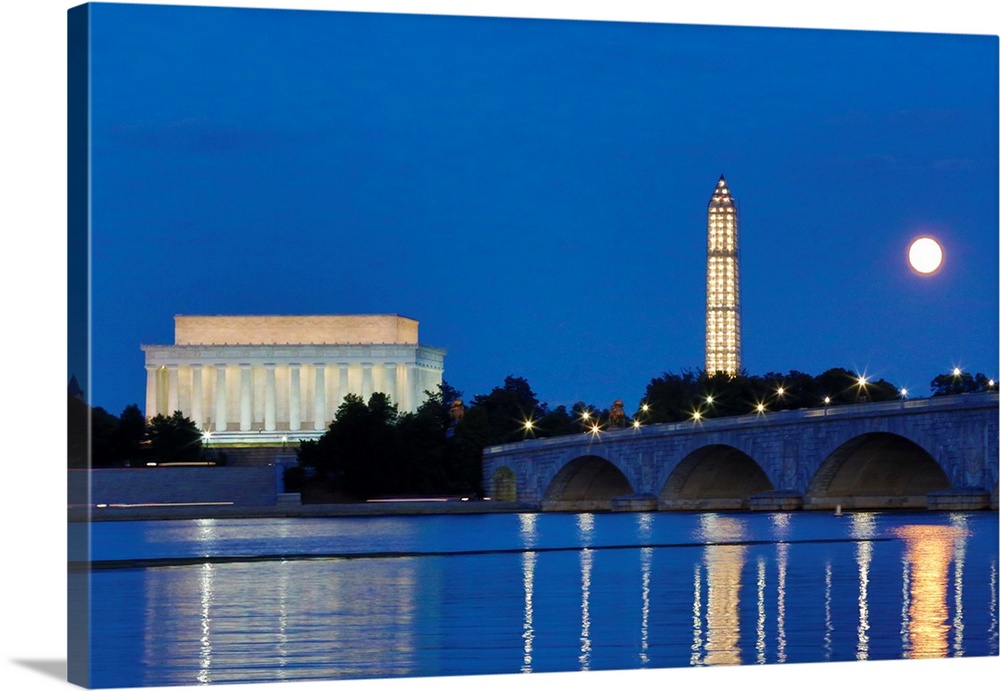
<point x="593" y="427"/>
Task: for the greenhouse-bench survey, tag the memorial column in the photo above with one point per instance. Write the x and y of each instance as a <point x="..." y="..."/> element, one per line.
<point x="403" y="387"/>
<point x="172" y="390"/>
<point x="151" y="392"/>
<point x="319" y="397"/>
<point x="221" y="422"/>
<point x="336" y="390"/>
<point x="345" y="385"/>
<point x="196" y="396"/>
<point x="390" y="384"/>
<point x="366" y="381"/>
<point x="412" y="387"/>
<point x="270" y="397"/>
<point x="246" y="398"/>
<point x="294" y="398"/>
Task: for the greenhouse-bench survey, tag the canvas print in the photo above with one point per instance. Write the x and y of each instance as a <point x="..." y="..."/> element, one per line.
<point x="408" y="346"/>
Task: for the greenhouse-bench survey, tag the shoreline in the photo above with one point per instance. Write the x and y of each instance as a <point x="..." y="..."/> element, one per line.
<point x="85" y="514"/>
<point x="77" y="514"/>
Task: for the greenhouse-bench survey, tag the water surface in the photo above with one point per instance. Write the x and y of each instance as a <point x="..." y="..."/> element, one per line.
<point x="257" y="600"/>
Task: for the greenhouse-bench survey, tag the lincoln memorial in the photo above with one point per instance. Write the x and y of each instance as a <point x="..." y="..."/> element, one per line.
<point x="268" y="378"/>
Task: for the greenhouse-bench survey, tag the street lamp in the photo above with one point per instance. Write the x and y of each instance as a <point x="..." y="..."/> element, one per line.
<point x="707" y="407"/>
<point x="863" y="393"/>
<point x="529" y="427"/>
<point x="779" y="396"/>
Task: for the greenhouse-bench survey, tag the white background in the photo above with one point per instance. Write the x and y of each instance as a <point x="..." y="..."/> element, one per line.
<point x="33" y="383"/>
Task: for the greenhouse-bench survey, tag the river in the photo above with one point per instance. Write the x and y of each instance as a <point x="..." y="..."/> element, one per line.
<point x="260" y="600"/>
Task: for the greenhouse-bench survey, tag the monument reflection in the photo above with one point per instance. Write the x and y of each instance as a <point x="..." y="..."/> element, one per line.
<point x="723" y="567"/>
<point x="213" y="616"/>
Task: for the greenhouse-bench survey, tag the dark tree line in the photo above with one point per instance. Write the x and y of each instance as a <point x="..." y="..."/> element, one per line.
<point x="675" y="397"/>
<point x="512" y="412"/>
<point x="129" y="439"/>
<point x="955" y="383"/>
<point x="372" y="450"/>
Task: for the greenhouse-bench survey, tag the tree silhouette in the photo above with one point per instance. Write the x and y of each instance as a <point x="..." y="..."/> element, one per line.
<point x="173" y="439"/>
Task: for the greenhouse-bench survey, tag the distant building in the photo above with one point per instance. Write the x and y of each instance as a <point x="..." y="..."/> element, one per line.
<point x="281" y="378"/>
<point x="722" y="310"/>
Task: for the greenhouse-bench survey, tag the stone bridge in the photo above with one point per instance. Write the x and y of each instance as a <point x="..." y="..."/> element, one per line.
<point x="938" y="453"/>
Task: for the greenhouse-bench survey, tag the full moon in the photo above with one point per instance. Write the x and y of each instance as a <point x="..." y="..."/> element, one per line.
<point x="925" y="255"/>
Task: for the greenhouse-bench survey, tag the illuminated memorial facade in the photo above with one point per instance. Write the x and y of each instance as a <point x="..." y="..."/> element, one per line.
<point x="283" y="377"/>
<point x="722" y="310"/>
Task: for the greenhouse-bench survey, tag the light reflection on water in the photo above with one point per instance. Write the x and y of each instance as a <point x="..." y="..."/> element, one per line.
<point x="698" y="644"/>
<point x="586" y="566"/>
<point x="827" y="611"/>
<point x="928" y="555"/>
<point x="645" y="531"/>
<point x="761" y="646"/>
<point x="960" y="522"/>
<point x="205" y="656"/>
<point x="528" y="565"/>
<point x="782" y="528"/>
<point x="675" y="590"/>
<point x="529" y="535"/>
<point x="245" y="625"/>
<point x="863" y="530"/>
<point x="723" y="574"/>
<point x="585" y="529"/>
<point x="993" y="608"/>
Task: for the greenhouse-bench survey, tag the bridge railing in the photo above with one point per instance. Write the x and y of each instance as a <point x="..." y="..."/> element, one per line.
<point x="900" y="407"/>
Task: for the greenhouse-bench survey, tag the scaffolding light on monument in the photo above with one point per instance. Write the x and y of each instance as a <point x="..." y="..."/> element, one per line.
<point x="722" y="309"/>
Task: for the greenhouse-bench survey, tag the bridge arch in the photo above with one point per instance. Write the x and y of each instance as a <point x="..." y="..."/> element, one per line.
<point x="503" y="485"/>
<point x="876" y="470"/>
<point x="716" y="476"/>
<point x="587" y="483"/>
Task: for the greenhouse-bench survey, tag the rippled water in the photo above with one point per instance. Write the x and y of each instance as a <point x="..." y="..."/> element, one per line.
<point x="208" y="601"/>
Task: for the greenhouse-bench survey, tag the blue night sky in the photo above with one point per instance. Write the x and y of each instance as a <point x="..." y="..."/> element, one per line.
<point x="549" y="219"/>
<point x="534" y="192"/>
